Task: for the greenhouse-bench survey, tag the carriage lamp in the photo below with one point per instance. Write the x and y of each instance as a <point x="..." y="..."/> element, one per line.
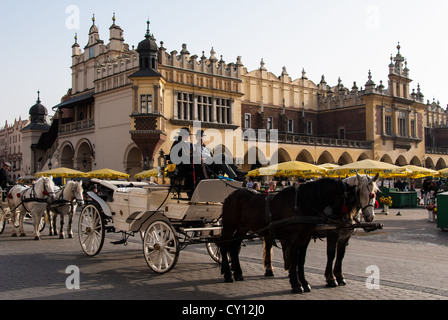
<point x="162" y="159"/>
<point x="145" y="163"/>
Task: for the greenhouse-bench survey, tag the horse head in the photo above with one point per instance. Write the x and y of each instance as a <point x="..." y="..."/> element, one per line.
<point x="45" y="188"/>
<point x="77" y="192"/>
<point x="366" y="189"/>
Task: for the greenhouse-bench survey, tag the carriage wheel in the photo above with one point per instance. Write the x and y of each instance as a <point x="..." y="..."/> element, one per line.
<point x="2" y="220"/>
<point x="160" y="246"/>
<point x="42" y="223"/>
<point x="214" y="251"/>
<point x="91" y="230"/>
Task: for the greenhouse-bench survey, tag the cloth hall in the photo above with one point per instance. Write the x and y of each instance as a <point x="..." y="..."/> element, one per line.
<point x="127" y="103"/>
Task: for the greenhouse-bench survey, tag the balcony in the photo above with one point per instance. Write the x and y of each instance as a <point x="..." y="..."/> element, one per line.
<point x="291" y="138"/>
<point x="77" y="126"/>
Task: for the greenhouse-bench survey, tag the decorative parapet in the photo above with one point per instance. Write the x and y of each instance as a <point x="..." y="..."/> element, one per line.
<point x="210" y="65"/>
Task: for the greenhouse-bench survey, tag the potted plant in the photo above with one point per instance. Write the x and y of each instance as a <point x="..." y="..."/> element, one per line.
<point x="387" y="202"/>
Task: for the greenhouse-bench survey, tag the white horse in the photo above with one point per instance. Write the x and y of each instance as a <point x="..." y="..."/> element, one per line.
<point x="33" y="199"/>
<point x="68" y="198"/>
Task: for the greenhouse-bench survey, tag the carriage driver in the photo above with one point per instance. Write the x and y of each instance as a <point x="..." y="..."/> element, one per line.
<point x="4" y="179"/>
<point x="181" y="155"/>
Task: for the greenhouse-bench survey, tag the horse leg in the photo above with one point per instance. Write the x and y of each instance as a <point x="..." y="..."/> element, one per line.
<point x="301" y="266"/>
<point x="293" y="276"/>
<point x="61" y="229"/>
<point x="52" y="222"/>
<point x="21" y="217"/>
<point x="234" y="254"/>
<point x="69" y="227"/>
<point x="13" y="218"/>
<point x="268" y="252"/>
<point x="342" y="245"/>
<point x="225" y="246"/>
<point x="332" y="240"/>
<point x="37" y="216"/>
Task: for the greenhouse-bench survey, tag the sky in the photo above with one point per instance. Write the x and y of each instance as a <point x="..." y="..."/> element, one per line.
<point x="345" y="39"/>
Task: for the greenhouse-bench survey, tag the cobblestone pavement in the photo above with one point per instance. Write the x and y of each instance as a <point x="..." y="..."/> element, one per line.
<point x="411" y="255"/>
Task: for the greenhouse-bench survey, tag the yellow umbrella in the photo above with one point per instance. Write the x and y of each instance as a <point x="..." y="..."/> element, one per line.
<point x="444" y="172"/>
<point x="147" y="174"/>
<point x="107" y="174"/>
<point x="61" y="173"/>
<point x="420" y="172"/>
<point x="289" y="169"/>
<point x="329" y="166"/>
<point x="369" y="167"/>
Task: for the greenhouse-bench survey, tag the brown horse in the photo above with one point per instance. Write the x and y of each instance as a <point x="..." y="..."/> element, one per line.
<point x="291" y="216"/>
<point x="337" y="239"/>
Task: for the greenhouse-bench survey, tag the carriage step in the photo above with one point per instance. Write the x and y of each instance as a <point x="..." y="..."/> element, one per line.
<point x="122" y="241"/>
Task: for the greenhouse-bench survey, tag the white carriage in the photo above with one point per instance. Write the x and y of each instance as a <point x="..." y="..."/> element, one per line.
<point x="167" y="224"/>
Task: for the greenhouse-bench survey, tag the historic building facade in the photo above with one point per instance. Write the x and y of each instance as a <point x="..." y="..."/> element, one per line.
<point x="127" y="104"/>
<point x="11" y="147"/>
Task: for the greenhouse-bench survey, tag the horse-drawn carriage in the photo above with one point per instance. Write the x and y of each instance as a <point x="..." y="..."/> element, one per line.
<point x="166" y="222"/>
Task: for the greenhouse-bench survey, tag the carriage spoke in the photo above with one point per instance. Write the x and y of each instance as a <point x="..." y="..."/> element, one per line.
<point x="160" y="247"/>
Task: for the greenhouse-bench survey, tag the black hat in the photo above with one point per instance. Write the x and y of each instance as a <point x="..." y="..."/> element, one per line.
<point x="184" y="132"/>
<point x="200" y="133"/>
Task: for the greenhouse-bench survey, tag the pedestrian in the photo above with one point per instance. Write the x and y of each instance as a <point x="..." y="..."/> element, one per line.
<point x="5" y="182"/>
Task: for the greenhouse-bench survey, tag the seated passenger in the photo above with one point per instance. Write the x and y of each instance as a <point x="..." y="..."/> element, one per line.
<point x="208" y="163"/>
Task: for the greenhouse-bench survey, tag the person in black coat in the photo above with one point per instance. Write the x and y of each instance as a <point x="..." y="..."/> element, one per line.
<point x="5" y="182"/>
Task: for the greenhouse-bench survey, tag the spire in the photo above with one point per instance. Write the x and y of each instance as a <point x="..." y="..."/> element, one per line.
<point x="38" y="97"/>
<point x="147" y="35"/>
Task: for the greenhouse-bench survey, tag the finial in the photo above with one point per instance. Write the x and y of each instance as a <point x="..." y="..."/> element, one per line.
<point x="398" y="47"/>
<point x="76" y="37"/>
<point x="113" y="19"/>
<point x="93" y="19"/>
<point x="147" y="35"/>
<point x="370" y="75"/>
<point x="38" y="97"/>
<point x="262" y="65"/>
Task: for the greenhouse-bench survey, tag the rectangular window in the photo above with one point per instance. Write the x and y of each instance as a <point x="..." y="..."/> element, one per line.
<point x="402" y="130"/>
<point x="413" y="131"/>
<point x="270" y="125"/>
<point x="223" y="110"/>
<point x="342" y="133"/>
<point x="388" y="124"/>
<point x="146" y="103"/>
<point x="185" y="106"/>
<point x="247" y="120"/>
<point x="309" y="127"/>
<point x="290" y="125"/>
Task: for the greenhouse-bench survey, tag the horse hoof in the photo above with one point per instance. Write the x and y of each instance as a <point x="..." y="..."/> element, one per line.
<point x="23" y="235"/>
<point x="342" y="282"/>
<point x="297" y="290"/>
<point x="36" y="238"/>
<point x="238" y="277"/>
<point x="14" y="235"/>
<point x="307" y="288"/>
<point x="70" y="236"/>
<point x="331" y="284"/>
<point x="269" y="273"/>
<point x="61" y="236"/>
<point x="228" y="279"/>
